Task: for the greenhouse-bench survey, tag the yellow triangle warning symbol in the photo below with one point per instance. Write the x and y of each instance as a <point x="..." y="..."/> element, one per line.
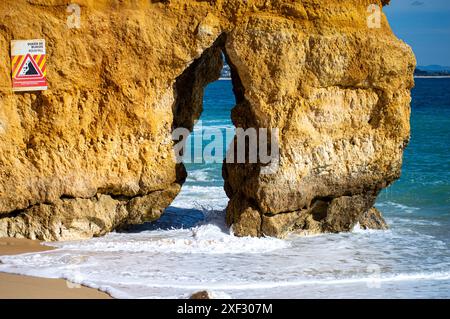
<point x="29" y="68"/>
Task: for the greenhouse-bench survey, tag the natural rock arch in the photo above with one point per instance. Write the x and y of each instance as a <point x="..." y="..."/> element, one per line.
<point x="94" y="152"/>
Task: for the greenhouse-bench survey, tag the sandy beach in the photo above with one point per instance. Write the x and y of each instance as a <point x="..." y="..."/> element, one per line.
<point x="24" y="287"/>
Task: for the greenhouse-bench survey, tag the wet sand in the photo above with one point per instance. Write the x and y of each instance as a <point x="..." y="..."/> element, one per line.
<point x="24" y="287"/>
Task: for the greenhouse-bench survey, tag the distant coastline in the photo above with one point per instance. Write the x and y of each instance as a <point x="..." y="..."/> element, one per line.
<point x="432" y="76"/>
<point x="421" y="72"/>
<point x="432" y="71"/>
<point x="415" y="76"/>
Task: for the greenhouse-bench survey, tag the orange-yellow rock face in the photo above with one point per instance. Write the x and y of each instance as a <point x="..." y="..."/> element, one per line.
<point x="94" y="152"/>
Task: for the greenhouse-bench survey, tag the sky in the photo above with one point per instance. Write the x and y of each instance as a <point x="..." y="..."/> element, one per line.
<point x="425" y="26"/>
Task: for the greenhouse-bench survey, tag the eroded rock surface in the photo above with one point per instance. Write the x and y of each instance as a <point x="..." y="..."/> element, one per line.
<point x="95" y="153"/>
<point x="339" y="92"/>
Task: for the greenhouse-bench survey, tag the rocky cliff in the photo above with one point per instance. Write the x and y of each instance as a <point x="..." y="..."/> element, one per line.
<point x="95" y="153"/>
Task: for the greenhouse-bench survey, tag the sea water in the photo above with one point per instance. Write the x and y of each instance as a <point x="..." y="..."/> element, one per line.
<point x="191" y="249"/>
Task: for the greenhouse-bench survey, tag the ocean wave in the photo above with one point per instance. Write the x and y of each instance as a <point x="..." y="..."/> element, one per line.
<point x="414" y="221"/>
<point x="174" y="263"/>
<point x="199" y="176"/>
<point x="436" y="276"/>
<point x="201" y="197"/>
<point x="203" y="189"/>
<point x="204" y="239"/>
<point x="397" y="206"/>
<point x="209" y="128"/>
<point x="357" y="229"/>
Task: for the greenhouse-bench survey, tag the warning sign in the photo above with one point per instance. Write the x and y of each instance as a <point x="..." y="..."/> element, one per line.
<point x="28" y="65"/>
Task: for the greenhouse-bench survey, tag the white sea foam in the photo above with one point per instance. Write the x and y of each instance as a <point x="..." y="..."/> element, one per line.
<point x="201" y="197"/>
<point x="177" y="262"/>
<point x="173" y="263"/>
<point x="210" y="128"/>
<point x="404" y="209"/>
<point x="205" y="239"/>
<point x="199" y="176"/>
<point x="440" y="276"/>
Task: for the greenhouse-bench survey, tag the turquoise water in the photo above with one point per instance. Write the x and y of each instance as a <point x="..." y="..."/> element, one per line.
<point x="190" y="248"/>
<point x="217" y="104"/>
<point x="425" y="183"/>
<point x="417" y="206"/>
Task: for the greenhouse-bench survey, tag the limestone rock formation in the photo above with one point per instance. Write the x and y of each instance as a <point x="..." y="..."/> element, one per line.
<point x="95" y="152"/>
<point x="339" y="92"/>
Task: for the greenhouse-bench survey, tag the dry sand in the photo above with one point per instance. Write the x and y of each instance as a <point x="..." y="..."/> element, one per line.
<point x="24" y="287"/>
